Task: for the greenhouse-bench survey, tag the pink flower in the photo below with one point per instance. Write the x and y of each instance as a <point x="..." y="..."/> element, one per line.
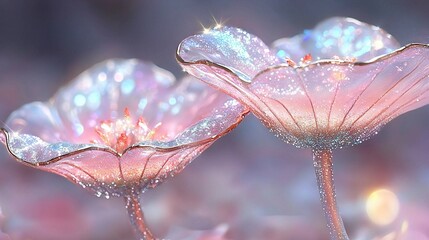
<point x="359" y="81"/>
<point x="121" y="127"/>
<point x="341" y="99"/>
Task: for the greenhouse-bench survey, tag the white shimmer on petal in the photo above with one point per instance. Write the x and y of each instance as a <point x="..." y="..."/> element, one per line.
<point x="341" y="37"/>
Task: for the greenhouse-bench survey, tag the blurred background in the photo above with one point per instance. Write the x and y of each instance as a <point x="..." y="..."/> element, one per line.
<point x="248" y="185"/>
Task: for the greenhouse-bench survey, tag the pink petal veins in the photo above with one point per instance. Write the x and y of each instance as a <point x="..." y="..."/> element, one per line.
<point x="362" y="82"/>
<point x="344" y="103"/>
<point x="121" y="124"/>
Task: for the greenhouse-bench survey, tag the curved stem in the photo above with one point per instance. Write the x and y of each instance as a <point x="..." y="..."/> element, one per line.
<point x="135" y="212"/>
<point x="325" y="179"/>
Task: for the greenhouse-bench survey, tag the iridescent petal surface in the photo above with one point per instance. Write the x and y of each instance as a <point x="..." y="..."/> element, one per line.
<point x="242" y="53"/>
<point x="338" y="104"/>
<point x="337" y="36"/>
<point x="105" y="90"/>
<point x="61" y="135"/>
<point x="227" y="58"/>
<point x="362" y="82"/>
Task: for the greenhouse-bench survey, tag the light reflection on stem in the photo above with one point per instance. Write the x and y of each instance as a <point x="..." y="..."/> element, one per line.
<point x="322" y="160"/>
<point x="135" y="212"/>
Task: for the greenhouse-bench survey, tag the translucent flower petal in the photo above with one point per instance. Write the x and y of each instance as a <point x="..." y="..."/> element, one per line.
<point x="107" y="174"/>
<point x="242" y="53"/>
<point x="222" y="79"/>
<point x="337" y="36"/>
<point x="329" y="105"/>
<point x="105" y="90"/>
<point x="210" y="126"/>
<point x="39" y="119"/>
<point x="226" y="58"/>
<point x="33" y="150"/>
<point x="179" y="119"/>
<point x="193" y="106"/>
<point x="149" y="166"/>
<point x="325" y="103"/>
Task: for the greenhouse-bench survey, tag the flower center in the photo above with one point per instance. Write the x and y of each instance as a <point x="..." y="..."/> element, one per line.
<point x="304" y="60"/>
<point x="308" y="58"/>
<point x="123" y="132"/>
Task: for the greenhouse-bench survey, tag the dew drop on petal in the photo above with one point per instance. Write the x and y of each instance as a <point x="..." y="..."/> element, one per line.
<point x="98" y="194"/>
<point x="83" y="185"/>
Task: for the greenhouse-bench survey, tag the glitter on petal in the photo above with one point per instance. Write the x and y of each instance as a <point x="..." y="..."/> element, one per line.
<point x="329" y="103"/>
<point x="360" y="80"/>
<point x="338" y="36"/>
<point x="122" y="143"/>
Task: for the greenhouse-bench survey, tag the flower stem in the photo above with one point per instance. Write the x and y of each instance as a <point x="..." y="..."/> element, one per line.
<point x="135" y="212"/>
<point x="325" y="180"/>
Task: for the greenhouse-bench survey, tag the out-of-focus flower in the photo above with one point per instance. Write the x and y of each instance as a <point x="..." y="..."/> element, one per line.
<point x="217" y="233"/>
<point x="3" y="236"/>
<point x="360" y="81"/>
<point x="121" y="127"/>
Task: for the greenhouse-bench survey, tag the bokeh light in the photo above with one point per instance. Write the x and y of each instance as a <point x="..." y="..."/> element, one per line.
<point x="382" y="206"/>
<point x="249" y="180"/>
